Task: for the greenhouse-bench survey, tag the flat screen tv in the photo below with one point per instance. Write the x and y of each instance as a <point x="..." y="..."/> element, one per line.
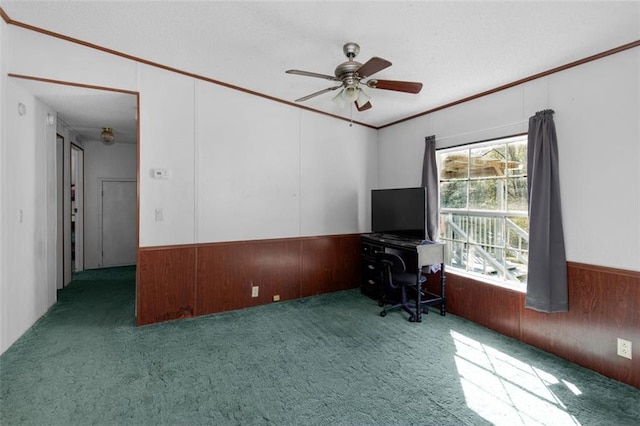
<point x="400" y="211"/>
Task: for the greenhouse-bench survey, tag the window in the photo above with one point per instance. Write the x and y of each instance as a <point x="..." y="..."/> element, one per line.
<point x="483" y="208"/>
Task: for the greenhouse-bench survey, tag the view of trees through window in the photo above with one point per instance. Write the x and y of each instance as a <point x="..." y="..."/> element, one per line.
<point x="483" y="208"/>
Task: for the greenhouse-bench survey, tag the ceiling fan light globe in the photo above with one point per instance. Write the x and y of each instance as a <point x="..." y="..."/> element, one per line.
<point x="363" y="98"/>
<point x="350" y="94"/>
<point x="339" y="99"/>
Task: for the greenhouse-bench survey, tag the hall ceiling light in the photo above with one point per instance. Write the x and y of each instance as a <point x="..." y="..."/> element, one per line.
<point x="107" y="135"/>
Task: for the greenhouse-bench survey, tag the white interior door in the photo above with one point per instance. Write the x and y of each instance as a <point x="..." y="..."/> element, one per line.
<point x="119" y="223"/>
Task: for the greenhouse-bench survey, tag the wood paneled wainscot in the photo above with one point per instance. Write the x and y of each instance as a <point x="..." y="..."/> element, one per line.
<point x="183" y="281"/>
<point x="227" y="272"/>
<point x="604" y="304"/>
<point x="165" y="285"/>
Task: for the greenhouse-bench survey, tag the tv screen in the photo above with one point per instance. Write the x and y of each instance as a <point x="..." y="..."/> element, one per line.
<point x="399" y="212"/>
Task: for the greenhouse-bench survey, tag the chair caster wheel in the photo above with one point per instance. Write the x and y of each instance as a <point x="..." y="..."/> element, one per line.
<point x="383" y="314"/>
<point x="412" y="319"/>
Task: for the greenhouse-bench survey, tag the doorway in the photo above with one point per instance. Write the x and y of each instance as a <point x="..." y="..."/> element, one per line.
<point x="70" y="210"/>
<point x="82" y="112"/>
<point x="77" y="209"/>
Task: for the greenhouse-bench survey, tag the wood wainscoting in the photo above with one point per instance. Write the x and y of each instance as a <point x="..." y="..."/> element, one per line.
<point x="604" y="304"/>
<point x="183" y="281"/>
<point x="165" y="284"/>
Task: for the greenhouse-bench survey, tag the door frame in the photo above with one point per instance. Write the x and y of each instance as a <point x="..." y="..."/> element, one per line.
<point x="60" y="207"/>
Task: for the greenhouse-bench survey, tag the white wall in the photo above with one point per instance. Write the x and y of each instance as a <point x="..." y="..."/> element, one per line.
<point x="267" y="170"/>
<point x="248" y="166"/>
<point x="338" y="169"/>
<point x="243" y="167"/>
<point x="117" y="161"/>
<point x="29" y="213"/>
<point x="597" y="110"/>
<point x="167" y="132"/>
<point x="5" y="329"/>
<point x="67" y="61"/>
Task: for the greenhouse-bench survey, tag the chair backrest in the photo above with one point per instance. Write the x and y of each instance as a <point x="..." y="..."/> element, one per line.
<point x="390" y="264"/>
<point x="393" y="261"/>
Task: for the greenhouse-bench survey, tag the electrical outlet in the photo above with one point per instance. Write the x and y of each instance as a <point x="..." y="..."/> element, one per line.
<point x="624" y="348"/>
<point x="254" y="291"/>
<point x="276" y="297"/>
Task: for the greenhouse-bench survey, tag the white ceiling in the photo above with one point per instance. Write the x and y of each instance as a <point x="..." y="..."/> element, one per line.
<point x="87" y="111"/>
<point x="457" y="49"/>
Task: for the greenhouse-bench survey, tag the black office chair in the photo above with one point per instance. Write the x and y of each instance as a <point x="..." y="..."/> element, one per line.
<point x="395" y="276"/>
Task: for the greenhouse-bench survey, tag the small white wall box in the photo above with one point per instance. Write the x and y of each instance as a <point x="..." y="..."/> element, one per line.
<point x="160" y="173"/>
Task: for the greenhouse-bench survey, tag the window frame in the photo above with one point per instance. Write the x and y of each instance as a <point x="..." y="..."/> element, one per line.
<point x="500" y="215"/>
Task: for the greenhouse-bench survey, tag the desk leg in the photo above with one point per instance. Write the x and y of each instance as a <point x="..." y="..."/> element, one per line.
<point x="419" y="296"/>
<point x="443" y="308"/>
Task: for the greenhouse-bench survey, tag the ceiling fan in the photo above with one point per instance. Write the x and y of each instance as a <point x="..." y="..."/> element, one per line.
<point x="351" y="74"/>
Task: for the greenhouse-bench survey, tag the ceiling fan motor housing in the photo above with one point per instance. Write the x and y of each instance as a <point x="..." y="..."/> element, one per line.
<point x="346" y="72"/>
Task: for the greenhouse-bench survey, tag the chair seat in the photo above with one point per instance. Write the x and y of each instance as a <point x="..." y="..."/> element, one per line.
<point x="407" y="278"/>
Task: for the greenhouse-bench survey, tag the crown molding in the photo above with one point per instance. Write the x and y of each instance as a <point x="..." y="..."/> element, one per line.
<point x="582" y="61"/>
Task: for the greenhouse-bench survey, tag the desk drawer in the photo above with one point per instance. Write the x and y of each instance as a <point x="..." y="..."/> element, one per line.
<point x="370" y="274"/>
<point x="371" y="279"/>
<point x="369" y="250"/>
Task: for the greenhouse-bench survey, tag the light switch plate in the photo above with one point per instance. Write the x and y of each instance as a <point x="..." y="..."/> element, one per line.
<point x="160" y="173"/>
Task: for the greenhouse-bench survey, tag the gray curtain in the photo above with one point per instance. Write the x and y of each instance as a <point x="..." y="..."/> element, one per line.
<point x="547" y="279"/>
<point x="430" y="181"/>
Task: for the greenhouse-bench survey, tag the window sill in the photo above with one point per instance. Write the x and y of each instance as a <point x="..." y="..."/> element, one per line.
<point x="520" y="288"/>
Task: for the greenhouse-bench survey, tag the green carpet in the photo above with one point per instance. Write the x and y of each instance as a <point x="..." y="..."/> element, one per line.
<point x="325" y="360"/>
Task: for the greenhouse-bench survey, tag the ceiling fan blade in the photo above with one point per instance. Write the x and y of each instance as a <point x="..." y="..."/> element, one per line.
<point x="313" y="95"/>
<point x="372" y="66"/>
<point x="364" y="107"/>
<point x="398" y="86"/>
<point x="312" y="74"/>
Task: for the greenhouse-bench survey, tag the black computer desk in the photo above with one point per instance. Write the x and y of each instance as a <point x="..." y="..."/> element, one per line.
<point x="417" y="255"/>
